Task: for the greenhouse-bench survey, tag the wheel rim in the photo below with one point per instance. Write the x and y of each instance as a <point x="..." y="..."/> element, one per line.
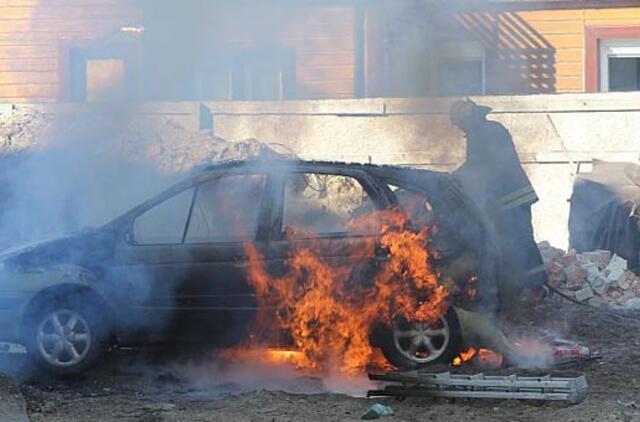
<point x="421" y="342"/>
<point x="63" y="338"/>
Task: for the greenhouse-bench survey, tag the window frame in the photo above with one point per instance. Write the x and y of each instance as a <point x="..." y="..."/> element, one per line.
<point x="617" y="48"/>
<point x="131" y="238"/>
<point x="241" y="65"/>
<point x="467" y="50"/>
<point x="595" y="36"/>
<point x="258" y="219"/>
<point x="371" y="188"/>
<point x="263" y="213"/>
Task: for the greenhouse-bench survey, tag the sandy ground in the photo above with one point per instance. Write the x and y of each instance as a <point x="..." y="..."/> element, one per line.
<point x="137" y="386"/>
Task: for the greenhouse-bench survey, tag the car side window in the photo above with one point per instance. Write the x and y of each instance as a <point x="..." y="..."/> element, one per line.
<point x="322" y="203"/>
<point x="164" y="223"/>
<point x="226" y="209"/>
<point x="416" y="204"/>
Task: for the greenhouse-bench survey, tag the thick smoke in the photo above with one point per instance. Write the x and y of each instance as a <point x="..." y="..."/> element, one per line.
<point x="77" y="175"/>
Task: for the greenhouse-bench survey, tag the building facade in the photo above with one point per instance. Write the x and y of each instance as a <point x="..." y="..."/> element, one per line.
<point x="217" y="50"/>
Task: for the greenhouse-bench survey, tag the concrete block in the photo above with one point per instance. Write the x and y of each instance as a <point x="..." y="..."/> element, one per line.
<point x="616" y="275"/>
<point x="584" y="294"/>
<point x="599" y="257"/>
<point x="616" y="263"/>
<point x="599" y="285"/>
<point x="626" y="282"/>
<point x="593" y="271"/>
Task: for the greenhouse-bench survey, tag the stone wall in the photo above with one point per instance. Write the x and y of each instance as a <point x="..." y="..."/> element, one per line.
<point x="556" y="135"/>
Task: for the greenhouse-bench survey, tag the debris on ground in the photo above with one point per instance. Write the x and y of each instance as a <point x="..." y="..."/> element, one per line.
<point x="598" y="278"/>
<point x="13" y="407"/>
<point x="376" y="411"/>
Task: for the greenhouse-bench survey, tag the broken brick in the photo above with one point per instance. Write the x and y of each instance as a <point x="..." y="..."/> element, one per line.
<point x="576" y="276"/>
<point x="599" y="285"/>
<point x="584" y="294"/>
<point x="626" y="282"/>
<point x="599" y="257"/>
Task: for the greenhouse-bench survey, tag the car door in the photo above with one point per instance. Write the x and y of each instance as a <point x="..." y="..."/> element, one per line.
<point x="195" y="281"/>
<point x="315" y="209"/>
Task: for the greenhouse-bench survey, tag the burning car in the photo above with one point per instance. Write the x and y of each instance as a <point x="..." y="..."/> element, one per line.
<point x="284" y="242"/>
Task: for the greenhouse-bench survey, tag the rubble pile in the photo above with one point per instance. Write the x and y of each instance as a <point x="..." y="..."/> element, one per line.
<point x="175" y="148"/>
<point x="598" y="277"/>
<point x="21" y="128"/>
<point x="164" y="141"/>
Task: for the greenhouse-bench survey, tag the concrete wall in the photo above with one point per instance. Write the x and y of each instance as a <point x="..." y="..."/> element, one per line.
<point x="556" y="135"/>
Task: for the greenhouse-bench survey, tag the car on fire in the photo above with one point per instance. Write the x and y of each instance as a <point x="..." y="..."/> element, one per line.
<point x="174" y="267"/>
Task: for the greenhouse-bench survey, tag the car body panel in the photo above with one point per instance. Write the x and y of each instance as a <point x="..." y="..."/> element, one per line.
<point x="177" y="287"/>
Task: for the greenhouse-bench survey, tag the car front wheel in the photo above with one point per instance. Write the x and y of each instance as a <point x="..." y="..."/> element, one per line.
<point x="414" y="344"/>
<point x="65" y="338"/>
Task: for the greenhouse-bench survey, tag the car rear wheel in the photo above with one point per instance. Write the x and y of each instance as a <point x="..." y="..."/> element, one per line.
<point x="65" y="337"/>
<point x="415" y="344"/>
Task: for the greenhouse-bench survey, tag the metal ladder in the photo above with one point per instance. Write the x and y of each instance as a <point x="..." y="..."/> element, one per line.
<point x="419" y="384"/>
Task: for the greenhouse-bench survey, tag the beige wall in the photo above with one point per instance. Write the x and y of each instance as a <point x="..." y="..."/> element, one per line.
<point x="417" y="132"/>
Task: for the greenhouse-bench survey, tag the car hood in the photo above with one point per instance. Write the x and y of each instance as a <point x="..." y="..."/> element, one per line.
<point x="88" y="247"/>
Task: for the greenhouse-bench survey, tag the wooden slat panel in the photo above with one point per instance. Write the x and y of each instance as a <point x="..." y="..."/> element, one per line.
<point x="35" y="90"/>
<point x="64" y="12"/>
<point x="313" y="29"/>
<point x="569" y="69"/>
<point x="569" y="55"/>
<point x="90" y="26"/>
<point x="330" y="86"/>
<point x="37" y="38"/>
<point x="46" y="77"/>
<point x="319" y="73"/>
<point x="322" y="58"/>
<point x="565" y="41"/>
<point x="325" y="14"/>
<point x="28" y="52"/>
<point x="611" y="14"/>
<point x="9" y="65"/>
<point x="63" y="3"/>
<point x="631" y="20"/>
<point x="551" y="15"/>
<point x="569" y="84"/>
<point x="321" y="44"/>
<point x="558" y="27"/>
<point x="23" y="100"/>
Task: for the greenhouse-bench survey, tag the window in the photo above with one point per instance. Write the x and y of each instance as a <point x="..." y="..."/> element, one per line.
<point x="620" y="65"/>
<point x="460" y="69"/>
<point x="100" y="74"/>
<point x="164" y="223"/>
<point x="104" y="80"/>
<point x="415" y="203"/>
<point x="249" y="74"/>
<point x="322" y="203"/>
<point x="226" y="209"/>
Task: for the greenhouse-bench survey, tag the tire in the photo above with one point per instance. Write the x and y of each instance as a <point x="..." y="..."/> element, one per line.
<point x="444" y="339"/>
<point x="66" y="335"/>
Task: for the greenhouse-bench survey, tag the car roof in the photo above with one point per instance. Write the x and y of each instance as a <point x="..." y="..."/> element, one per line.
<point x="389" y="172"/>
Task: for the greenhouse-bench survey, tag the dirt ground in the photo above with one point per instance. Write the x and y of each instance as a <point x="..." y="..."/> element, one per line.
<point x="138" y="386"/>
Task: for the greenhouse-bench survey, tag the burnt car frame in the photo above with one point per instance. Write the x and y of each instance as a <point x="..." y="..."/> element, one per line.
<point x="69" y="298"/>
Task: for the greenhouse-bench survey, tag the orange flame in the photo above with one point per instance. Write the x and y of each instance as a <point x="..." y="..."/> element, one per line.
<point x="484" y="357"/>
<point x="329" y="318"/>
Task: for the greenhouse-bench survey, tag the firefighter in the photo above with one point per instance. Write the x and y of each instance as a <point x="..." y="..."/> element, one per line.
<point x="493" y="177"/>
